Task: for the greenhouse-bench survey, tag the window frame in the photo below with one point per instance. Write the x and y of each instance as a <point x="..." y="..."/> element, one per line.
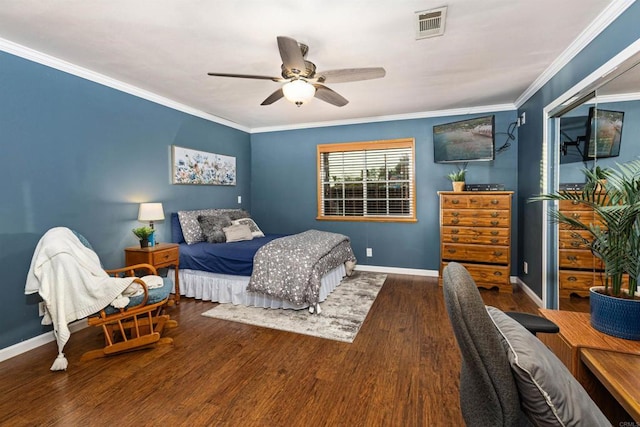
<point x="364" y="146"/>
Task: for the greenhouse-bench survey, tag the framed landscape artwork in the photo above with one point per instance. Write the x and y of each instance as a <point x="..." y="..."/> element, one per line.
<point x="201" y="168"/>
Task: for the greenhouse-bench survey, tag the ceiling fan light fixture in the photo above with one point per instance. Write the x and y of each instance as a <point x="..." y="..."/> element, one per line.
<point x="298" y="91"/>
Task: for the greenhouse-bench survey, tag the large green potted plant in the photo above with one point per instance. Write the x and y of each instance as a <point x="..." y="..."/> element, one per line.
<point x="615" y="239"/>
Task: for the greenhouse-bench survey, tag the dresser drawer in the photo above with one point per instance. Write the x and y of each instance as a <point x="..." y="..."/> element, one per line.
<point x="475" y="201"/>
<point x="476" y="235"/>
<point x="574" y="239"/>
<point x="580" y="280"/>
<point x="478" y="253"/>
<point x="572" y="205"/>
<point x="482" y="218"/>
<point x="579" y="259"/>
<point x="167" y="256"/>
<point x="487" y="274"/>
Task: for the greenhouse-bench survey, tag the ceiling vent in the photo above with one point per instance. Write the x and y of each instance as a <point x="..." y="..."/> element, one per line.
<point x="430" y="23"/>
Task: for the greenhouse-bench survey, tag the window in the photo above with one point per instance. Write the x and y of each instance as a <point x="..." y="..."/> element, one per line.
<point x="367" y="181"/>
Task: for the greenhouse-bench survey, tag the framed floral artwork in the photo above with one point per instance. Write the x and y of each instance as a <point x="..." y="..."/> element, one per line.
<point x="201" y="168"/>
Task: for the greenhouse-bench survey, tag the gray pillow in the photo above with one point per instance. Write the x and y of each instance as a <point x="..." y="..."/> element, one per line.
<point x="212" y="227"/>
<point x="191" y="230"/>
<point x="549" y="394"/>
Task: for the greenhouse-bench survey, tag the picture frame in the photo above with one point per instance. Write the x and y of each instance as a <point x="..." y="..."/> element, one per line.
<point x="196" y="167"/>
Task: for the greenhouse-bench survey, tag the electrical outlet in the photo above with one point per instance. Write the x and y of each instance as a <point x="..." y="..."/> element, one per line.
<point x="525" y="267"/>
<point x="518" y="122"/>
<point x="239" y="199"/>
<point x="369" y="252"/>
<point x="41" y="308"/>
<point x="523" y="118"/>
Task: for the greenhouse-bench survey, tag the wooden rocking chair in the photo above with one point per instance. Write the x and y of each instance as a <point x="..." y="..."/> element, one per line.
<point x="139" y="324"/>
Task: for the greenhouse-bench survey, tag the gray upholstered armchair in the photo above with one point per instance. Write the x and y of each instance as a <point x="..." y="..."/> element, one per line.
<point x="508" y="377"/>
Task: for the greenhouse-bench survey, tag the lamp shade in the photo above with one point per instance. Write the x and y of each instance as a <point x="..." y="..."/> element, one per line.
<point x="298" y="91"/>
<point x="150" y="212"/>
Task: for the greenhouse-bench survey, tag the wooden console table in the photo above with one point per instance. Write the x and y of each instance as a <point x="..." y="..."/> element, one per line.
<point x="617" y="372"/>
<point x="587" y="354"/>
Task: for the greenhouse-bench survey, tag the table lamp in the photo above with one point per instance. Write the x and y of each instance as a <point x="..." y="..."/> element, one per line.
<point x="151" y="212"/>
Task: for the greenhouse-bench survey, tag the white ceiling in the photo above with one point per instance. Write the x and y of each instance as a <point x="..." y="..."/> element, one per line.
<point x="491" y="53"/>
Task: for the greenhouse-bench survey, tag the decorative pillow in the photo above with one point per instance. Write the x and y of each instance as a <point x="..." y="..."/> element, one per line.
<point x="212" y="227"/>
<point x="550" y="395"/>
<point x="191" y="231"/>
<point x="255" y="231"/>
<point x="237" y="233"/>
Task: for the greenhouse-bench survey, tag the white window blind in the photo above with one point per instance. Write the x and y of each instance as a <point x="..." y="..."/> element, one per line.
<point x="372" y="180"/>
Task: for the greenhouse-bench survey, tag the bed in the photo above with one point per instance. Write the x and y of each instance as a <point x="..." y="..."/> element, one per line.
<point x="222" y="271"/>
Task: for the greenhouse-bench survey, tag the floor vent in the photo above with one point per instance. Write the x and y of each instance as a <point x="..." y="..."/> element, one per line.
<point x="430" y="23"/>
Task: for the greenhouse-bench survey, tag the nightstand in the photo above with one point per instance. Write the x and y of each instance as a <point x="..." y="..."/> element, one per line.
<point x="160" y="256"/>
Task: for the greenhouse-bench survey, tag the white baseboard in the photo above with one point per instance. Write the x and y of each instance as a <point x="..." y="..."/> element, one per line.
<point x="527" y="290"/>
<point x="35" y="342"/>
<point x="397" y="270"/>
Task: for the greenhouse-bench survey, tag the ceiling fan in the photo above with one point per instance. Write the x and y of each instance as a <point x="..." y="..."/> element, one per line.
<point x="302" y="81"/>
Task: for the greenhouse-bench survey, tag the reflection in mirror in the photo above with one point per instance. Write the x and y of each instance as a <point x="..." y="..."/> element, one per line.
<point x="601" y="132"/>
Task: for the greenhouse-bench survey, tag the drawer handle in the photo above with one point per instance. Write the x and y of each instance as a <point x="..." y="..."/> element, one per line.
<point x="455" y="239"/>
<point x="455" y="231"/>
<point x="494" y="241"/>
<point x="495" y="222"/>
<point x="497" y="253"/>
<point x="494" y="202"/>
<point x="494" y="214"/>
<point x="575" y="235"/>
<point x="455" y="201"/>
<point x="575" y="215"/>
<point x="575" y="202"/>
<point x="494" y="232"/>
<point x="451" y="251"/>
<point x="575" y="244"/>
<point x="473" y="201"/>
<point x="497" y="273"/>
<point x="572" y="279"/>
<point x="455" y="221"/>
<point x="455" y="213"/>
<point x="572" y="258"/>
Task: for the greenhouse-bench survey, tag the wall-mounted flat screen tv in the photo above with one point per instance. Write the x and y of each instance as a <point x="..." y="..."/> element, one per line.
<point x="604" y="133"/>
<point x="465" y="140"/>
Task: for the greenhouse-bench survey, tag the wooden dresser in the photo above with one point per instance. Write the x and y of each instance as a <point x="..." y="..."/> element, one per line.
<point x="475" y="230"/>
<point x="579" y="269"/>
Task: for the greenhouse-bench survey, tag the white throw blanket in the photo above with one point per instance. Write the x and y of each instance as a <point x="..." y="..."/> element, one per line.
<point x="72" y="283"/>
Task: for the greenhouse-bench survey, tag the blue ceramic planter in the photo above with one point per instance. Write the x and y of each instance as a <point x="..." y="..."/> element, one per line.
<point x="615" y="316"/>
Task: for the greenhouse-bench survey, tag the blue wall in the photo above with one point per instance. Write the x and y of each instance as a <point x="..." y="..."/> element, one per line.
<point x="621" y="33"/>
<point x="81" y="155"/>
<point x="284" y="195"/>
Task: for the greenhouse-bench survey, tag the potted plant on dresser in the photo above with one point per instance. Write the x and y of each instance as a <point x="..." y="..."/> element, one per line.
<point x="457" y="179"/>
<point x="143" y="234"/>
<point x="614" y="233"/>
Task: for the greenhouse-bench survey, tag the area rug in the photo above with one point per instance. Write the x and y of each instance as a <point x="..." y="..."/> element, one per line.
<point x="343" y="312"/>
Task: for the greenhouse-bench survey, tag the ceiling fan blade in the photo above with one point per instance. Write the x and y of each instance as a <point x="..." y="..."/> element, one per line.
<point x="328" y="95"/>
<point x="247" y="76"/>
<point x="273" y="97"/>
<point x="291" y="54"/>
<point x="350" y="75"/>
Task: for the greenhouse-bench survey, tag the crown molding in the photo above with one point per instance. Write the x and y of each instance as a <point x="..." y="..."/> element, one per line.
<point x="409" y="116"/>
<point x="84" y="73"/>
<point x="602" y="21"/>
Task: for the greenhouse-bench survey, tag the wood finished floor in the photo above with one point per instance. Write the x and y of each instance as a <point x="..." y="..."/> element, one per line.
<point x="402" y="370"/>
